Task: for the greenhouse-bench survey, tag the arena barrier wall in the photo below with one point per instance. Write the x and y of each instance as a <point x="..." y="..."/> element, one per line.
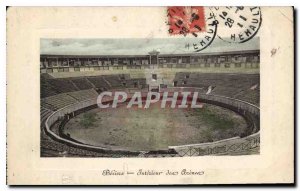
<point x="235" y="145"/>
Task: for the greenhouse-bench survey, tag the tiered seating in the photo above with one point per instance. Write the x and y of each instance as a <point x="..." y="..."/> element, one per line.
<point x="141" y="81"/>
<point x="124" y="76"/>
<point x="63" y="85"/>
<point x="52" y="148"/>
<point x="44" y="112"/>
<point x="226" y="84"/>
<point x="114" y="81"/>
<point x="81" y="83"/>
<point x="46" y="88"/>
<point x="58" y="93"/>
<point x="51" y="86"/>
<point x="137" y="82"/>
<point x="183" y="79"/>
<point x="83" y="94"/>
<point x="58" y="101"/>
<point x="46" y="76"/>
<point x="98" y="82"/>
<point x="249" y="95"/>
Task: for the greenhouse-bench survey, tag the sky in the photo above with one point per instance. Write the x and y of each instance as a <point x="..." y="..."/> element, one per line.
<point x="136" y="46"/>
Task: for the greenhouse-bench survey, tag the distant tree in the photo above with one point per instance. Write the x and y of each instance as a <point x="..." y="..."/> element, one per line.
<point x="88" y="120"/>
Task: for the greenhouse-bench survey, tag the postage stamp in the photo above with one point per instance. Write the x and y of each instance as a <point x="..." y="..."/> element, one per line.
<point x="184" y="20"/>
<point x="232" y="24"/>
<point x="197" y="22"/>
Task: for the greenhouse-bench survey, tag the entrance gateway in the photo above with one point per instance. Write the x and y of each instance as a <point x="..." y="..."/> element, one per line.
<point x="154" y="57"/>
<point x="153" y="76"/>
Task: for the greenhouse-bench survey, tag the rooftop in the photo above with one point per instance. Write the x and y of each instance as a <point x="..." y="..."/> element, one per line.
<point x="128" y="47"/>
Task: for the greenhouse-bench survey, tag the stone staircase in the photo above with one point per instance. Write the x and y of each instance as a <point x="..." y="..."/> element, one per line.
<point x="153" y="84"/>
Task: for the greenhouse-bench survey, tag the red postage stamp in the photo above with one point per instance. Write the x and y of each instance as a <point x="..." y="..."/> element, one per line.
<point x="184" y="20"/>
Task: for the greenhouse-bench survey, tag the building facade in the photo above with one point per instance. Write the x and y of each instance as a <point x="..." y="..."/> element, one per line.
<point x="71" y="63"/>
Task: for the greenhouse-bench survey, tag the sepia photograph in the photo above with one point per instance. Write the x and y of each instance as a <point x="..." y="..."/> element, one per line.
<point x="153" y="74"/>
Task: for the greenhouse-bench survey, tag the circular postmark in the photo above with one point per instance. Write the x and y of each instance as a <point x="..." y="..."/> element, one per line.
<point x="206" y="38"/>
<point x="237" y="24"/>
<point x="198" y="24"/>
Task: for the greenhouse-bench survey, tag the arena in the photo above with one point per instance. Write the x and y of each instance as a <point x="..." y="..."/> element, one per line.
<point x="227" y="123"/>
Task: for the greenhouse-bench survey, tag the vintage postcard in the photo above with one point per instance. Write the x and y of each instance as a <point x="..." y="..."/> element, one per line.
<point x="150" y="95"/>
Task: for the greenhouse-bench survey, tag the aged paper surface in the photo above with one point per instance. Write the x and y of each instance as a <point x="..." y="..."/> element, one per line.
<point x="243" y="55"/>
